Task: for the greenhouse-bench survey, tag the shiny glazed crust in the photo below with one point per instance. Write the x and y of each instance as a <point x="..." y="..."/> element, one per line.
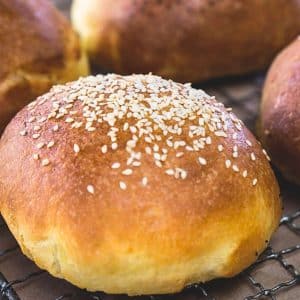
<point x="185" y="40"/>
<point x="103" y="183"/>
<point x="38" y="49"/>
<point x="279" y="126"/>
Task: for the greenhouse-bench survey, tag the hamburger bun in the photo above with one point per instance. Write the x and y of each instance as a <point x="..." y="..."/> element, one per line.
<point x="38" y="49"/>
<point x="279" y="126"/>
<point x="185" y="40"/>
<point x="135" y="184"/>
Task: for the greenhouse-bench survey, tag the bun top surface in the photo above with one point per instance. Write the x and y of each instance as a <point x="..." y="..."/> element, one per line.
<point x="135" y="128"/>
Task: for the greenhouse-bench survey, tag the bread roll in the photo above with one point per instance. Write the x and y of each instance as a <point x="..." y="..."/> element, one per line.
<point x="279" y="126"/>
<point x="185" y="40"/>
<point x="135" y="185"/>
<point x="38" y="48"/>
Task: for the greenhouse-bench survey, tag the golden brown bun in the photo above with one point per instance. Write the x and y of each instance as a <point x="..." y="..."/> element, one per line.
<point x="279" y="126"/>
<point x="185" y="40"/>
<point x="38" y="49"/>
<point x="102" y="195"/>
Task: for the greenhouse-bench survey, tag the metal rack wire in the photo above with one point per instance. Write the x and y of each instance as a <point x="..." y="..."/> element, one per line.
<point x="225" y="92"/>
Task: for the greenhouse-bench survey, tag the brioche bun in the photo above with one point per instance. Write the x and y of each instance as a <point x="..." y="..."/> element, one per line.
<point x="135" y="184"/>
<point x="185" y="40"/>
<point x="38" y="49"/>
<point x="279" y="126"/>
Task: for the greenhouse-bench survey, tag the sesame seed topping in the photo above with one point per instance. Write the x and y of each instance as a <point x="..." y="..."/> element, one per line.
<point x="90" y="189"/>
<point x="170" y="172"/>
<point x="235" y="168"/>
<point x="227" y="163"/>
<point x="69" y="120"/>
<point x="76" y="148"/>
<point x="45" y="162"/>
<point x="266" y="154"/>
<point x="115" y="165"/>
<point x="179" y="154"/>
<point x="144" y="181"/>
<point x="254" y="182"/>
<point x="245" y="173"/>
<point x="158" y="119"/>
<point x="202" y="161"/>
<point x="122" y="185"/>
<point x="252" y="155"/>
<point x="40" y="145"/>
<point x="50" y="144"/>
<point x="235" y="154"/>
<point x="36" y="156"/>
<point x="127" y="172"/>
<point x="104" y="149"/>
<point x="37" y="128"/>
<point x="248" y="143"/>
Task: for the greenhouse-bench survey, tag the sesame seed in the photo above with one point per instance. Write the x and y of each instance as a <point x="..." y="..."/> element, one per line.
<point x="235" y="154"/>
<point x="170" y="172"/>
<point x="202" y="161"/>
<point x="36" y="156"/>
<point x="36" y="136"/>
<point x="23" y="132"/>
<point x="90" y="189"/>
<point x="245" y="174"/>
<point x="252" y="155"/>
<point x="50" y="144"/>
<point x="127" y="172"/>
<point x="76" y="148"/>
<point x="122" y="185"/>
<point x="158" y="163"/>
<point x="235" y="168"/>
<point x="227" y="163"/>
<point x="220" y="148"/>
<point x="266" y="154"/>
<point x="55" y="128"/>
<point x="114" y="146"/>
<point x="144" y="181"/>
<point x="69" y="120"/>
<point x="254" y="182"/>
<point x="37" y="128"/>
<point x="248" y="143"/>
<point x="104" y="149"/>
<point x="45" y="162"/>
<point x="183" y="174"/>
<point x="148" y="150"/>
<point x="179" y="154"/>
<point x="40" y="145"/>
<point x="115" y="165"/>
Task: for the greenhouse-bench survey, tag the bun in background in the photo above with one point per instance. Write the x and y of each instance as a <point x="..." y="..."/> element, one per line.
<point x="38" y="49"/>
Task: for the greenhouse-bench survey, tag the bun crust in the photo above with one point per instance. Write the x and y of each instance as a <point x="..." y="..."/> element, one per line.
<point x="136" y="185"/>
<point x="37" y="51"/>
<point x="187" y="41"/>
<point x="280" y="112"/>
